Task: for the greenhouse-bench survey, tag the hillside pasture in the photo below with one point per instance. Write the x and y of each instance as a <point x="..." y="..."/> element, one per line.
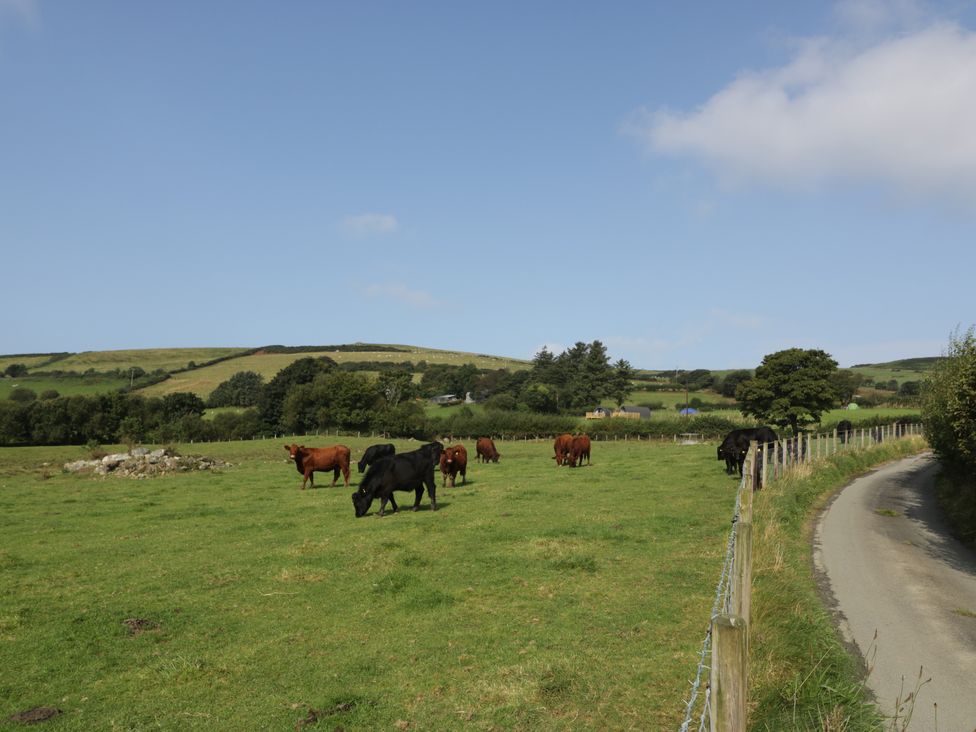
<point x="202" y="381"/>
<point x="536" y="598"/>
<point x="148" y="359"/>
<point x="28" y="361"/>
<point x="65" y="386"/>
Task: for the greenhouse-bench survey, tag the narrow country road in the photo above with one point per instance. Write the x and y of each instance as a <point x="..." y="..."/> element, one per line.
<point x="887" y="564"/>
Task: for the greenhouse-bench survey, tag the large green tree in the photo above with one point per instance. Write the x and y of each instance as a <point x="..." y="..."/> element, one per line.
<point x="792" y="387"/>
<point x="302" y="371"/>
<point x="243" y="389"/>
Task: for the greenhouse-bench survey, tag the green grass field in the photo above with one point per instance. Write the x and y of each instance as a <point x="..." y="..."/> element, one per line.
<point x="28" y="361"/>
<point x="536" y="598"/>
<point x="205" y="380"/>
<point x="149" y="359"/>
<point x="65" y="386"/>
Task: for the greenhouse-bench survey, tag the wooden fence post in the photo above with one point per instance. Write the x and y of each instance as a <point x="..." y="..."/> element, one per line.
<point x="729" y="674"/>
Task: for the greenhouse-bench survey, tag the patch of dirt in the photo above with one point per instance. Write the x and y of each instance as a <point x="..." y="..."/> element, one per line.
<point x="138" y="626"/>
<point x="315" y="715"/>
<point x="35" y="715"/>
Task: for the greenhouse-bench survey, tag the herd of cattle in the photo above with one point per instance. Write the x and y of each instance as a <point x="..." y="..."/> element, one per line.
<point x="388" y="471"/>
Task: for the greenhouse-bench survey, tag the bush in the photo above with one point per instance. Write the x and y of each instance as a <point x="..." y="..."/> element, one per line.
<point x="22" y="395"/>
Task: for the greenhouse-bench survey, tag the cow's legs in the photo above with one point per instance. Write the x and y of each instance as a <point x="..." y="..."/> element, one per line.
<point x="464" y="476"/>
<point x="416" y="503"/>
<point x="432" y="492"/>
<point x="382" y="505"/>
<point x="393" y="503"/>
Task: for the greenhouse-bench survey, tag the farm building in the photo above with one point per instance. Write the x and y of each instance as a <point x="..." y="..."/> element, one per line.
<point x="600" y="413"/>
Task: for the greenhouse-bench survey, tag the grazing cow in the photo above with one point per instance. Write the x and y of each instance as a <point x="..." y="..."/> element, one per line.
<point x="563" y="447"/>
<point x="579" y="449"/>
<point x="844" y="431"/>
<point x="374" y="453"/>
<point x="454" y="460"/>
<point x="736" y="444"/>
<point x="408" y="471"/>
<point x="322" y="459"/>
<point x="485" y="450"/>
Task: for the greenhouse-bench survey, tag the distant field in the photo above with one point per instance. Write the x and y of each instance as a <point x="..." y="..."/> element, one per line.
<point x="64" y="387"/>
<point x="28" y="361"/>
<point x="909" y="369"/>
<point x="149" y="359"/>
<point x="671" y="398"/>
<point x="535" y="599"/>
<point x="205" y="380"/>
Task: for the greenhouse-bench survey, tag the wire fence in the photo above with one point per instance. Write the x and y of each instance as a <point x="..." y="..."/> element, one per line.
<point x="721" y="705"/>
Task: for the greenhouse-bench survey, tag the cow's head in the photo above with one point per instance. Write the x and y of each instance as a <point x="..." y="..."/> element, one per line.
<point x="294" y="450"/>
<point x="361" y="502"/>
<point x="434" y="449"/>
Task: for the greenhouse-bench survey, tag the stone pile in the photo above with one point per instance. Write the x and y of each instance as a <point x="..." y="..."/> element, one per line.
<point x="143" y="463"/>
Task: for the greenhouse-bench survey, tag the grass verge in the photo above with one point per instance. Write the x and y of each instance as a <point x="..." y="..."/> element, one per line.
<point x="801" y="675"/>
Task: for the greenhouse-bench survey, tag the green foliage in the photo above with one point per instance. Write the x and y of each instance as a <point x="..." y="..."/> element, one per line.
<point x="243" y="389"/>
<point x="271" y="405"/>
<point x="578" y="378"/>
<point x="846" y="383"/>
<point x="49" y="394"/>
<point x="694" y="380"/>
<point x="395" y="386"/>
<point x="22" y="395"/>
<point x="15" y="370"/>
<point x="728" y="385"/>
<point x="949" y="404"/>
<point x="181" y="404"/>
<point x="335" y="399"/>
<point x="792" y="387"/>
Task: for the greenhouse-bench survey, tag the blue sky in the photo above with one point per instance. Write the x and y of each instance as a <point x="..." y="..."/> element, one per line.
<point x="694" y="184"/>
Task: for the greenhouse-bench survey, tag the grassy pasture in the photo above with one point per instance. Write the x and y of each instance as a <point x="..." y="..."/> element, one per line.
<point x="149" y="359"/>
<point x="205" y="380"/>
<point x="86" y="385"/>
<point x="535" y="598"/>
<point x="28" y="361"/>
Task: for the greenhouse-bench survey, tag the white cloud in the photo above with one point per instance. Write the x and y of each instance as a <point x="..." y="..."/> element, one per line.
<point x="403" y="294"/>
<point x="879" y="15"/>
<point x="370" y="224"/>
<point x="900" y="111"/>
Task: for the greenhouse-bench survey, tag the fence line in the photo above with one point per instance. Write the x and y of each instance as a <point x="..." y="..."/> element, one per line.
<point x="725" y="649"/>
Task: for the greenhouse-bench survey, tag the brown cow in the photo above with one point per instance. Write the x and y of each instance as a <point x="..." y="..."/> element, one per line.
<point x="486" y="451"/>
<point x="563" y="445"/>
<point x="579" y="449"/>
<point x="322" y="459"/>
<point x="454" y="460"/>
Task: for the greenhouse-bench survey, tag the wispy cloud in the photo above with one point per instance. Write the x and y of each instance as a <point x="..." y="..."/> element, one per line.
<point x="402" y="293"/>
<point x="900" y="111"/>
<point x="26" y="11"/>
<point x="745" y="321"/>
<point x="370" y="224"/>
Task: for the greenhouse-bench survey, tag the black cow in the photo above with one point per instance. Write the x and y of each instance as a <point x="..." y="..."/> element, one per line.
<point x="736" y="444"/>
<point x="408" y="471"/>
<point x="844" y="431"/>
<point x="374" y="453"/>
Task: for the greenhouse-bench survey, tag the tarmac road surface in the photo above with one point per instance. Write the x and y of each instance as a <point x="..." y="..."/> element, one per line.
<point x="886" y="563"/>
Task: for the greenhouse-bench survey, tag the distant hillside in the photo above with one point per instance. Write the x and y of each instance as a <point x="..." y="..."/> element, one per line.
<point x="200" y="370"/>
